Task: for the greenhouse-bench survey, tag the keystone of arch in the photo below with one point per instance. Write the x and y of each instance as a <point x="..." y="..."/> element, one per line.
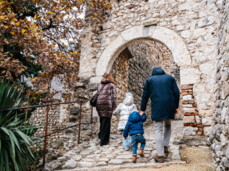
<point x="164" y="35"/>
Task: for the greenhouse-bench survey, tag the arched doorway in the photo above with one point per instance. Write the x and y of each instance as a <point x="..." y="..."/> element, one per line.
<point x="161" y="34"/>
<point x="189" y="73"/>
<point x="134" y="65"/>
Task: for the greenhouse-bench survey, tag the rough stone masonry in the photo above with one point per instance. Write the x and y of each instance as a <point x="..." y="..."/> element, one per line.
<point x="219" y="138"/>
<point x="195" y="33"/>
<point x="187" y="28"/>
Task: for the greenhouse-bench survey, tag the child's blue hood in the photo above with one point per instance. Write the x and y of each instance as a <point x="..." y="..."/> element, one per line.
<point x="134" y="117"/>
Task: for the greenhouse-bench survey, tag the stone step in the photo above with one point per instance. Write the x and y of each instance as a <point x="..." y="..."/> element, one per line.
<point x="115" y="162"/>
<point x="127" y="161"/>
<point x="113" y="156"/>
<point x="101" y="164"/>
<point x="103" y="160"/>
<point x="86" y="164"/>
<point x="124" y="156"/>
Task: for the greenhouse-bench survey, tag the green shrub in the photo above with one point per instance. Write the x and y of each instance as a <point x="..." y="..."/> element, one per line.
<point x="17" y="143"/>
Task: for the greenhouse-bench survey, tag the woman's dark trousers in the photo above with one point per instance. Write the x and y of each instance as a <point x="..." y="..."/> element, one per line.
<point x="104" y="132"/>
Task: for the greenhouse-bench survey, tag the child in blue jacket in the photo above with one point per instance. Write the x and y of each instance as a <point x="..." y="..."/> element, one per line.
<point x="135" y="129"/>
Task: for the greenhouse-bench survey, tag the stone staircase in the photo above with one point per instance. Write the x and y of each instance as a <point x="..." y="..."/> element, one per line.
<point x="92" y="156"/>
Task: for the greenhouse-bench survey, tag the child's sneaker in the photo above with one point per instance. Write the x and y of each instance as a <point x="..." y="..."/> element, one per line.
<point x="141" y="153"/>
<point x="134" y="158"/>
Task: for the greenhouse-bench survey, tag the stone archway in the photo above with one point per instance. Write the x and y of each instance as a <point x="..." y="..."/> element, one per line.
<point x="189" y="73"/>
<point x="164" y="35"/>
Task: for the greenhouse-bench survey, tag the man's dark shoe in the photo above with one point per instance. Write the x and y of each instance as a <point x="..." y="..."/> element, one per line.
<point x="166" y="151"/>
<point x="159" y="159"/>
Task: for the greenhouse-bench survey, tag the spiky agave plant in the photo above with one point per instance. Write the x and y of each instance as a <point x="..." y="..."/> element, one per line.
<point x="16" y="152"/>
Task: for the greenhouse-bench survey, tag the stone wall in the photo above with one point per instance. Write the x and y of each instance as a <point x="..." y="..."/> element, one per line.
<point x="195" y="21"/>
<point x="148" y="54"/>
<point x="219" y="138"/>
<point x="65" y="115"/>
<point x="120" y="72"/>
<point x="140" y="69"/>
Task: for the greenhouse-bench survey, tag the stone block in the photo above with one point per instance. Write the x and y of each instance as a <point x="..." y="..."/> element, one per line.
<point x="188" y="114"/>
<point x="184" y="7"/>
<point x="70" y="164"/>
<point x="95" y="80"/>
<point x="187" y="97"/>
<point x="132" y="33"/>
<point x="225" y="162"/>
<point x="101" y="164"/>
<point x="74" y="110"/>
<point x="150" y="22"/>
<point x="199" y="126"/>
<point x="77" y="157"/>
<point x="206" y="21"/>
<point x="189" y="75"/>
<point x="226" y="102"/>
<point x="198" y="32"/>
<point x="207" y="130"/>
<point x="224" y="89"/>
<point x="207" y="121"/>
<point x="115" y="162"/>
<point x="129" y="160"/>
<point x="189" y="119"/>
<point x="205" y="113"/>
<point x="127" y="156"/>
<point x="104" y="159"/>
<point x="187" y="124"/>
<point x="185" y="34"/>
<point x="227" y="152"/>
<point x="187" y="86"/>
<point x="224" y="76"/>
<point x="93" y="86"/>
<point x="224" y="114"/>
<point x="187" y="105"/>
<point x="187" y="131"/>
<point x="226" y="63"/>
<point x="174" y="149"/>
<point x="79" y="85"/>
<point x="194" y="105"/>
<point x="86" y="164"/>
<point x="189" y="110"/>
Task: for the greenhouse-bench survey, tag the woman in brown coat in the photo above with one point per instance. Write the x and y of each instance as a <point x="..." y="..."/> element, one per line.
<point x="106" y="104"/>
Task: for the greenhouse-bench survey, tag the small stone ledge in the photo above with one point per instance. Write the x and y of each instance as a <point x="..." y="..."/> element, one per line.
<point x="129" y="166"/>
<point x="193" y="140"/>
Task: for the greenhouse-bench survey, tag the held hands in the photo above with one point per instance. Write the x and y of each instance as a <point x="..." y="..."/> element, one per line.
<point x="142" y="112"/>
<point x="124" y="138"/>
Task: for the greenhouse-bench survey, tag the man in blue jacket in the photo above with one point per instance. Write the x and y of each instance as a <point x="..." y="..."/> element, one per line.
<point x="164" y="94"/>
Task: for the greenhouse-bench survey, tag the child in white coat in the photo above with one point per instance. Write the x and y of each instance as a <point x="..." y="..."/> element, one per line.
<point x="125" y="109"/>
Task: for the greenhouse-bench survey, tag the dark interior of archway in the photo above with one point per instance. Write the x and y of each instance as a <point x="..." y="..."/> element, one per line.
<point x="134" y="65"/>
